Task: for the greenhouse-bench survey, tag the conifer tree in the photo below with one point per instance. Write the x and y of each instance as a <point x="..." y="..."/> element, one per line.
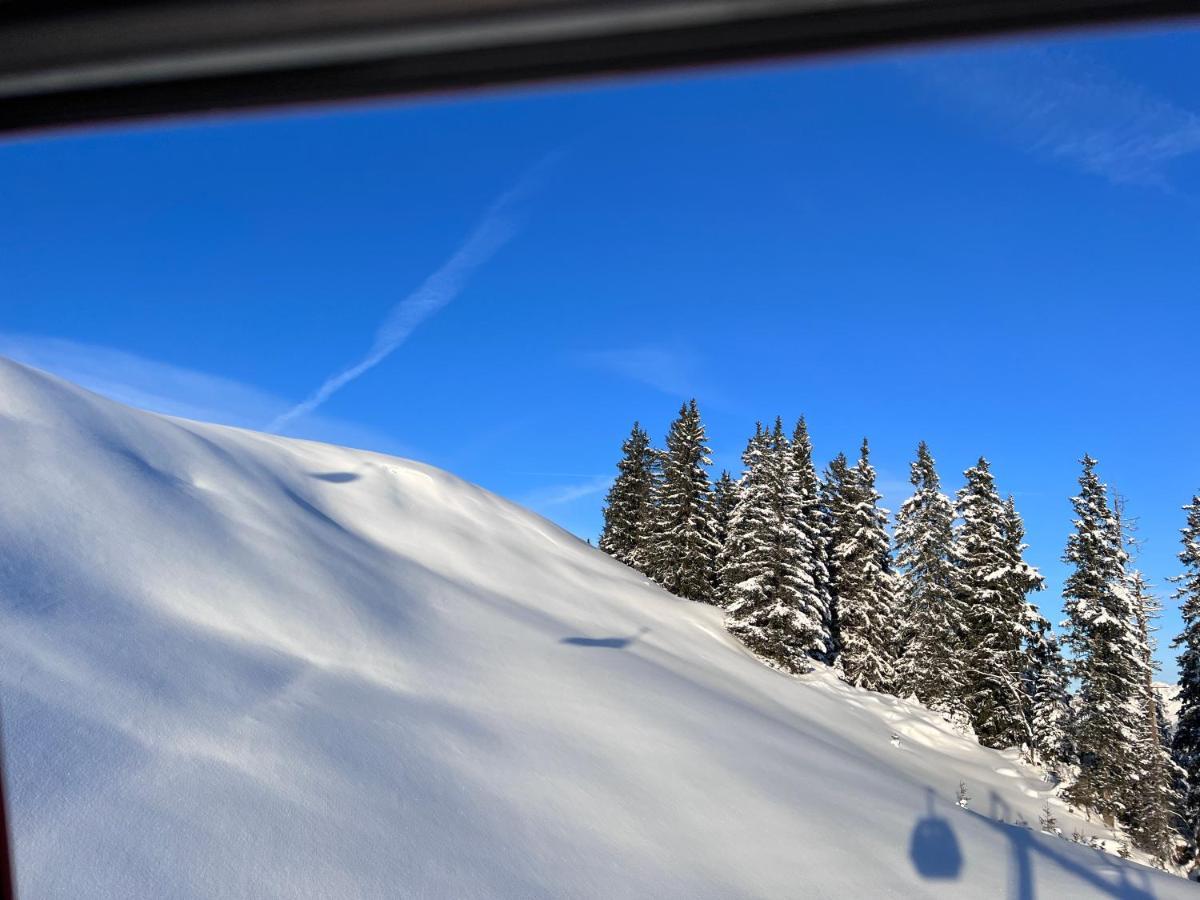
<point x="864" y="583"/>
<point x="725" y="497"/>
<point x="1108" y="659"/>
<point x="930" y="665"/>
<point x="1154" y="816"/>
<point x="811" y="522"/>
<point x="835" y="522"/>
<point x="684" y="544"/>
<point x="1020" y="578"/>
<point x="628" y="510"/>
<point x="772" y="601"/>
<point x="1049" y="703"/>
<point x="741" y="534"/>
<point x="994" y="657"/>
<point x="724" y="501"/>
<point x="1186" y="742"/>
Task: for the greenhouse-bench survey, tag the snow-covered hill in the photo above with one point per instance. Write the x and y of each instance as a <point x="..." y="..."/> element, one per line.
<point x="235" y="665"/>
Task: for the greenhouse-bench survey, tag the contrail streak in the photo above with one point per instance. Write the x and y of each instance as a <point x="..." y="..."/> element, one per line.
<point x="498" y="225"/>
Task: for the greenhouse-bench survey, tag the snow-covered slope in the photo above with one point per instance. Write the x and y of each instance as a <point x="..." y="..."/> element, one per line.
<point x="235" y="665"/>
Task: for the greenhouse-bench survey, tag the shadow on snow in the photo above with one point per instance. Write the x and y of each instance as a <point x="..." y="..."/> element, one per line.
<point x="614" y="643"/>
<point x="933" y="847"/>
<point x="936" y="855"/>
<point x="335" y="477"/>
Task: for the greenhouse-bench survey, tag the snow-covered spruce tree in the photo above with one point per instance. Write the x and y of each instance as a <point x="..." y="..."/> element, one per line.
<point x="773" y="605"/>
<point x="1102" y="632"/>
<point x="628" y="511"/>
<point x="724" y="501"/>
<point x="1049" y="702"/>
<point x="811" y="522"/>
<point x="864" y="583"/>
<point x="835" y="517"/>
<point x="1154" y="818"/>
<point x="683" y="545"/>
<point x="1186" y="743"/>
<point x="1020" y="578"/>
<point x="994" y="658"/>
<point x="741" y="529"/>
<point x="930" y="665"/>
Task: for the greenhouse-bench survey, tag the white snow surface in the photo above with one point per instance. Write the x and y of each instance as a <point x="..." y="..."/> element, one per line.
<point x="238" y="665"/>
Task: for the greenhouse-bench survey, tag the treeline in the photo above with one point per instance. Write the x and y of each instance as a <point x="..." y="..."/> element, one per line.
<point x="806" y="570"/>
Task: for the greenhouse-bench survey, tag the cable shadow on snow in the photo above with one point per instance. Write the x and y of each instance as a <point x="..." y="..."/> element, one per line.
<point x="1023" y="844"/>
<point x="614" y="643"/>
<point x="936" y="854"/>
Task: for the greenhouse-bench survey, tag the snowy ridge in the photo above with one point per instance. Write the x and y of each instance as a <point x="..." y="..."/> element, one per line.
<point x="237" y="665"/>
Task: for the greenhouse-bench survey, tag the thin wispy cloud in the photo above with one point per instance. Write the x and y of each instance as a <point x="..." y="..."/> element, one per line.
<point x="671" y="371"/>
<point x="562" y="494"/>
<point x="496" y="227"/>
<point x="176" y="391"/>
<point x="1062" y="107"/>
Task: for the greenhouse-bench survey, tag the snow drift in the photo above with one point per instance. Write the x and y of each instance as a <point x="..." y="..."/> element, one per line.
<point x="237" y="665"/>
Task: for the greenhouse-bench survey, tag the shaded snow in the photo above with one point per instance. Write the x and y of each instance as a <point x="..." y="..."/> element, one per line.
<point x="236" y="665"/>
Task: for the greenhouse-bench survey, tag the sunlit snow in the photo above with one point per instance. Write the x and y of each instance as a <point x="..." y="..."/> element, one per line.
<point x="237" y="665"/>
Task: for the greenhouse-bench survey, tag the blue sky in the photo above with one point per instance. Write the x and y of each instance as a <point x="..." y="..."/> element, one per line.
<point x="992" y="248"/>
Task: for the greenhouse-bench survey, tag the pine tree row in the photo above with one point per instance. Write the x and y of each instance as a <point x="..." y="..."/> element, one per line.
<point x="805" y="568"/>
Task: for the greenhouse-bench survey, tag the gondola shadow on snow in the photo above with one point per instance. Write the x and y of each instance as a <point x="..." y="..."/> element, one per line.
<point x="933" y="847"/>
<point x="336" y="477"/>
<point x="612" y="643"/>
